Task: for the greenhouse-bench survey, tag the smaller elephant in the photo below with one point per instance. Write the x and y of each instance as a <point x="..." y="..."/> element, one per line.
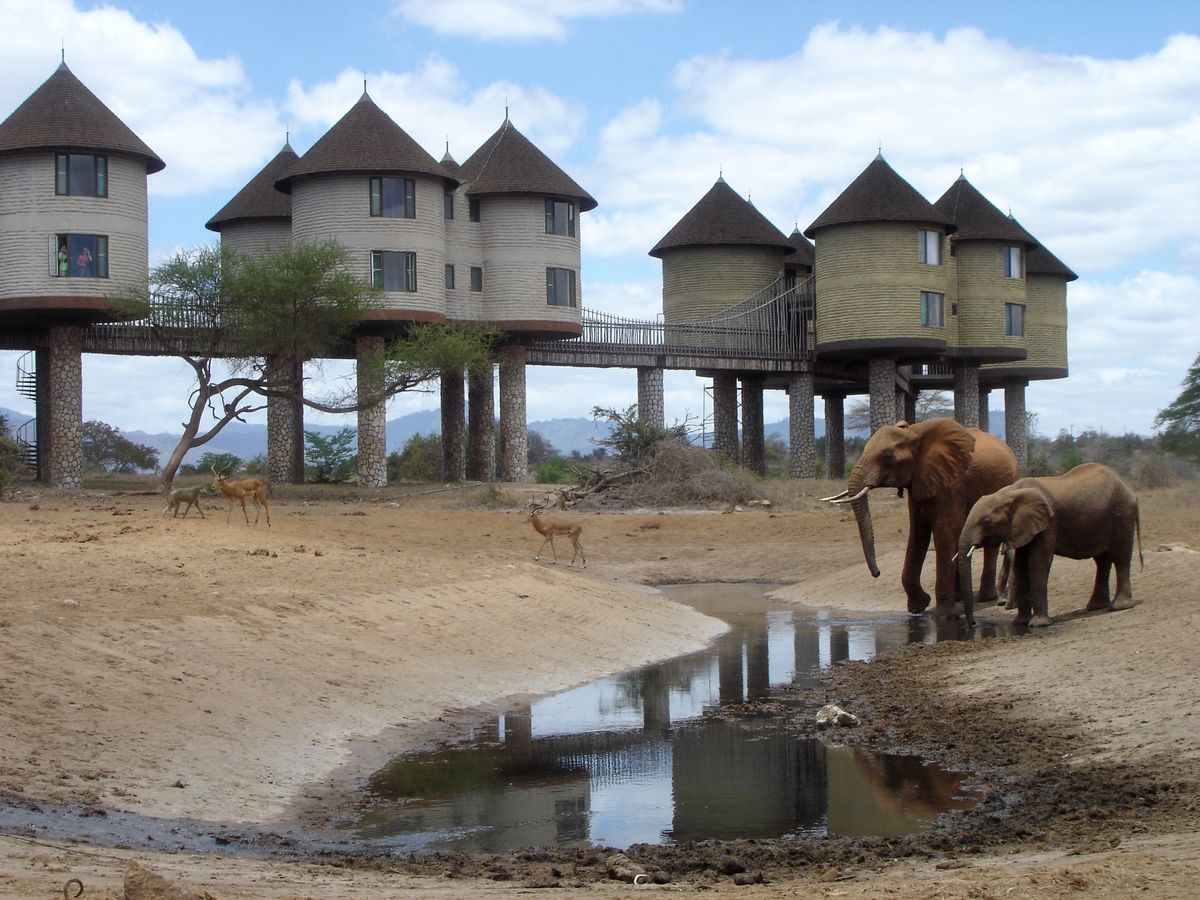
<point x="1089" y="512"/>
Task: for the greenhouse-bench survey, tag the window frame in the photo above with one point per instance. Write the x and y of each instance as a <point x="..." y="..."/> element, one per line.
<point x="473" y="213"/>
<point x="448" y="204"/>
<point x="928" y="239"/>
<point x="99" y="258"/>
<point x="379" y="270"/>
<point x="555" y="223"/>
<point x="62" y="174"/>
<point x="378" y="197"/>
<point x="1014" y="320"/>
<point x="1013" y="253"/>
<point x="928" y="305"/>
<point x="477" y="279"/>
<point x="553" y="286"/>
<point x="449" y="276"/>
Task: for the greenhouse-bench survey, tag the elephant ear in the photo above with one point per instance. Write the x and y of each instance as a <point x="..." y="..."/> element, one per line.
<point x="1031" y="514"/>
<point x="943" y="456"/>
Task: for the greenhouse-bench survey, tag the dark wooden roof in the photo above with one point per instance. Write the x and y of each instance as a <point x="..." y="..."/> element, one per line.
<point x="509" y="163"/>
<point x="722" y="217"/>
<point x="1040" y="261"/>
<point x="365" y="139"/>
<point x="803" y="252"/>
<point x="260" y="199"/>
<point x="878" y="194"/>
<point x="63" y="114"/>
<point x="450" y="166"/>
<point x="977" y="218"/>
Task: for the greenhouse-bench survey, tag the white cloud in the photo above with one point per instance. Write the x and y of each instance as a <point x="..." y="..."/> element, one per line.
<point x="520" y="20"/>
<point x="197" y="114"/>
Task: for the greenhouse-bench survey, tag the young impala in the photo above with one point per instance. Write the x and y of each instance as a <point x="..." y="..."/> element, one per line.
<point x="548" y="528"/>
<point x="253" y="488"/>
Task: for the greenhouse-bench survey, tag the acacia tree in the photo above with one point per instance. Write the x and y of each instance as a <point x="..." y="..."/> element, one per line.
<point x="1180" y="421"/>
<point x="290" y="306"/>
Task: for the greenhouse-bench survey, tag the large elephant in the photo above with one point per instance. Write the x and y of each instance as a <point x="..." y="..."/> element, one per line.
<point x="945" y="467"/>
<point x="1090" y="512"/>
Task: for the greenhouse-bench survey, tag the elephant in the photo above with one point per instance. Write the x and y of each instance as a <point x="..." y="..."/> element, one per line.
<point x="945" y="467"/>
<point x="1089" y="512"/>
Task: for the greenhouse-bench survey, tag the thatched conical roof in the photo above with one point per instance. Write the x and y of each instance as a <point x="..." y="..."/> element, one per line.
<point x="977" y="218"/>
<point x="260" y="199"/>
<point x="879" y="194"/>
<point x="721" y="216"/>
<point x="509" y="163"/>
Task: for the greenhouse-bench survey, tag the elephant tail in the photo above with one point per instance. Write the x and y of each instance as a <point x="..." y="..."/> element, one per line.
<point x="1137" y="521"/>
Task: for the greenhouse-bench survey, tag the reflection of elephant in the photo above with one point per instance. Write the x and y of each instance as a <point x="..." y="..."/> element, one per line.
<point x="1089" y="512"/>
<point x="946" y="468"/>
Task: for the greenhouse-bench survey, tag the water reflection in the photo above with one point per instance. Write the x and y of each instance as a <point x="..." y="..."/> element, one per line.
<point x="632" y="758"/>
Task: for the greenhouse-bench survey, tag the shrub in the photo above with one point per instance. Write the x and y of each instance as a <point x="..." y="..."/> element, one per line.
<point x="420" y="460"/>
<point x="553" y="471"/>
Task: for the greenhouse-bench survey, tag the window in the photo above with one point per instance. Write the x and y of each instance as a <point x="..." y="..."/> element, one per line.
<point x="929" y="247"/>
<point x="394" y="198"/>
<point x="1014" y="320"/>
<point x="449" y="277"/>
<point x="448" y="204"/>
<point x="79" y="255"/>
<point x="1012" y="262"/>
<point x="931" y="309"/>
<point x="81" y="175"/>
<point x="560" y="217"/>
<point x="473" y="209"/>
<point x="476" y="278"/>
<point x="394" y="270"/>
<point x="560" y="287"/>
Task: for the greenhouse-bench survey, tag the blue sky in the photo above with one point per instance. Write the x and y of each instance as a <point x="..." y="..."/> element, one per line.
<point x="1083" y="119"/>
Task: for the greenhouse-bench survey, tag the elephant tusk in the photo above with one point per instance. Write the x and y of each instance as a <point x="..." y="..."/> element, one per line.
<point x="954" y="558"/>
<point x="969" y="552"/>
<point x="834" y="497"/>
<point x="860" y="494"/>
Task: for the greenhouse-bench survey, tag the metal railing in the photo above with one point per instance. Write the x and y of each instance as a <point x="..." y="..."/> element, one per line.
<point x="27" y="375"/>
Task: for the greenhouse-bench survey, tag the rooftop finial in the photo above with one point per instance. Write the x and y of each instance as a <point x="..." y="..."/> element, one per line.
<point x="64" y="49"/>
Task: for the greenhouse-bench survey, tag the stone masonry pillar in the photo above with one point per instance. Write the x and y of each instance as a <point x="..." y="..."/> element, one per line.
<point x="481" y="426"/>
<point x="900" y="395"/>
<point x="453" y="436"/>
<point x="802" y="437"/>
<point x="725" y="426"/>
<point x="835" y="436"/>
<point x="1015" y="420"/>
<point x="966" y="394"/>
<point x="752" y="425"/>
<point x="650" y="396"/>
<point x="66" y="407"/>
<point x="910" y="407"/>
<point x="881" y="375"/>
<point x="984" y="415"/>
<point x="285" y="424"/>
<point x="372" y="420"/>
<point x="514" y="436"/>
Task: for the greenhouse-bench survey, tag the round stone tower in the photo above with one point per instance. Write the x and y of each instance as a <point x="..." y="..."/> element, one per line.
<point x="881" y="277"/>
<point x="722" y="251"/>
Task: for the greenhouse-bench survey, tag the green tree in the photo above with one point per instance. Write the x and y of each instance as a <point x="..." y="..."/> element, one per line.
<point x="540" y="450"/>
<point x="226" y="463"/>
<point x="330" y="459"/>
<point x="11" y="461"/>
<point x="107" y="450"/>
<point x="1180" y="421"/>
<point x="255" y="466"/>
<point x="420" y="460"/>
<point x="553" y="471"/>
<point x="632" y="439"/>
<point x="267" y="316"/>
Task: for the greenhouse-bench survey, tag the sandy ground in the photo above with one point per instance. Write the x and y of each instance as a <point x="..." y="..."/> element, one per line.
<point x="205" y="670"/>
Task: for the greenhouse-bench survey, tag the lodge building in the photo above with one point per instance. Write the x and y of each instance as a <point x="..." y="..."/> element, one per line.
<point x="902" y="294"/>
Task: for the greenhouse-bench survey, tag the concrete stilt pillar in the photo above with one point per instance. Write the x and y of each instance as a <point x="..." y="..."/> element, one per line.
<point x="910" y="407"/>
<point x="372" y="420"/>
<point x="285" y="423"/>
<point x="984" y="413"/>
<point x="1015" y="424"/>
<point x="725" y="426"/>
<point x="453" y="428"/>
<point x="514" y="435"/>
<point x="481" y="426"/>
<point x="900" y="395"/>
<point x="42" y="412"/>
<point x="802" y="439"/>
<point x="650" y="396"/>
<point x="881" y="375"/>
<point x="65" y="467"/>
<point x="752" y="425"/>
<point x="835" y="436"/>
<point x="966" y="394"/>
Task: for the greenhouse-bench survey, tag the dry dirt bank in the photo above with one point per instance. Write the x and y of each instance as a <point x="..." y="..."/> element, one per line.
<point x="194" y="668"/>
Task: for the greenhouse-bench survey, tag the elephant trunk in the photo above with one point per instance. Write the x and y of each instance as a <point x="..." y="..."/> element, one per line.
<point x="862" y="514"/>
<point x="965" y="547"/>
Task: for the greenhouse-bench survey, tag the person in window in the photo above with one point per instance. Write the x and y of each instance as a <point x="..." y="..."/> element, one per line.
<point x="84" y="261"/>
<point x="64" y="261"/>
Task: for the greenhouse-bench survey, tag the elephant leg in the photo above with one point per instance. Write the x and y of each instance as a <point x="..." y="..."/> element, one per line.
<point x="1019" y="591"/>
<point x="946" y="584"/>
<point x="1040" y="560"/>
<point x="914" y="558"/>
<point x="987" y="581"/>
<point x="1124" y="596"/>
<point x="1099" y="598"/>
